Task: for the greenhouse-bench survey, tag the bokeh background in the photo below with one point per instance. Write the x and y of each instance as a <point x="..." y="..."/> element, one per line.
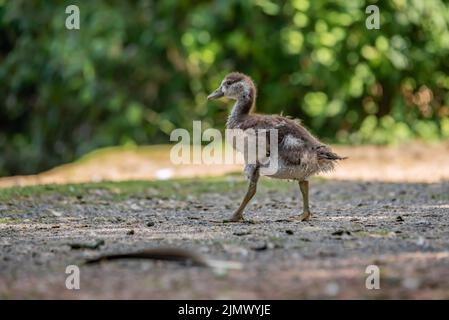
<point x="136" y="70"/>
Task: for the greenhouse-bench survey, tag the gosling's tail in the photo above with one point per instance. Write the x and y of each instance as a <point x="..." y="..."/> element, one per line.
<point x="324" y="153"/>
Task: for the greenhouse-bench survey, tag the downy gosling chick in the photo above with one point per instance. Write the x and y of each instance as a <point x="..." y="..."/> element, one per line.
<point x="300" y="155"/>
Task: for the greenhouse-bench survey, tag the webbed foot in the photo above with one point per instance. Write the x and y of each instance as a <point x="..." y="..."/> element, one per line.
<point x="305" y="216"/>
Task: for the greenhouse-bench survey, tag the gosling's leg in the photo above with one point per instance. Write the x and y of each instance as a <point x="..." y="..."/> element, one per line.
<point x="306" y="214"/>
<point x="252" y="187"/>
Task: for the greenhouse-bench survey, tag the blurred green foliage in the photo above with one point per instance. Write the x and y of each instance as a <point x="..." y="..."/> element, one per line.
<point x="138" y="69"/>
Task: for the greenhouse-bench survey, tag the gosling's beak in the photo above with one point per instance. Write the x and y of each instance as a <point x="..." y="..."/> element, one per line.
<point x="216" y="94"/>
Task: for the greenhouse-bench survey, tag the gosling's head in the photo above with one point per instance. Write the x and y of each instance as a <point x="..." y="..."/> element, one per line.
<point x="237" y="86"/>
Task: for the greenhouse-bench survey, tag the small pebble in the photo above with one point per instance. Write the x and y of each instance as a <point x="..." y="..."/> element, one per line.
<point x="242" y="233"/>
<point x="341" y="232"/>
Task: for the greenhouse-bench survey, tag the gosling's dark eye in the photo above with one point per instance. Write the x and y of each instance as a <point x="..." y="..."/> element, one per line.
<point x="228" y="83"/>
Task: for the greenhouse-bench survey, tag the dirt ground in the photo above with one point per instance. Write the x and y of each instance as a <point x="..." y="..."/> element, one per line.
<point x="403" y="228"/>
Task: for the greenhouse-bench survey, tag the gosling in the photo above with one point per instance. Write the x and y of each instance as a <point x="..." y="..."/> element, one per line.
<point x="300" y="154"/>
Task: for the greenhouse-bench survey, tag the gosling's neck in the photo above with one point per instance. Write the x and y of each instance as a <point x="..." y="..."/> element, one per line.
<point x="242" y="107"/>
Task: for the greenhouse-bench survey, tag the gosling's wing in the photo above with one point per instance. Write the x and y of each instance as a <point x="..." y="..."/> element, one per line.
<point x="293" y="140"/>
<point x="296" y="143"/>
